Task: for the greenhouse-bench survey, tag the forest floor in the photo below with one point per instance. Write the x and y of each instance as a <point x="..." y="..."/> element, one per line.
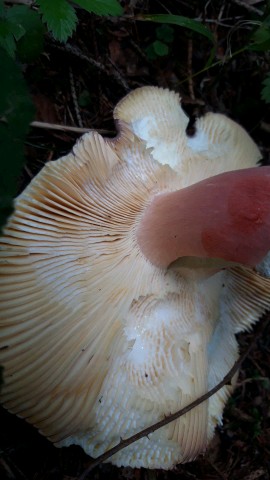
<point x="78" y="85"/>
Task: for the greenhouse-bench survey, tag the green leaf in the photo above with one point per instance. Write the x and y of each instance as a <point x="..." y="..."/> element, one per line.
<point x="101" y="7"/>
<point x="266" y="383"/>
<point x="9" y="32"/>
<point x="60" y="17"/>
<point x="84" y="99"/>
<point x="265" y="93"/>
<point x="180" y="21"/>
<point x="150" y="52"/>
<point x="16" y="112"/>
<point x="165" y="33"/>
<point x="30" y="44"/>
<point x="261" y="37"/>
<point x="160" y="48"/>
<point x="211" y="57"/>
<point x="261" y="40"/>
<point x="2" y="8"/>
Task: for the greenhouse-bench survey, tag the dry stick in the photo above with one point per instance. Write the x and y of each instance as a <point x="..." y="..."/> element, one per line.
<point x="117" y="74"/>
<point x="170" y="418"/>
<point x="78" y="53"/>
<point x="74" y="98"/>
<point x="189" y="66"/>
<point x="99" y="66"/>
<point x="250" y="8"/>
<point x="67" y="128"/>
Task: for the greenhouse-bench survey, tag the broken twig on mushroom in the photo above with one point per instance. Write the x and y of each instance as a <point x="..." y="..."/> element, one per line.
<point x="147" y="431"/>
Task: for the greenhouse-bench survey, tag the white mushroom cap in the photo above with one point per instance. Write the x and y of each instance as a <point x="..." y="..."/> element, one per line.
<point x="155" y="117"/>
<point x="96" y="341"/>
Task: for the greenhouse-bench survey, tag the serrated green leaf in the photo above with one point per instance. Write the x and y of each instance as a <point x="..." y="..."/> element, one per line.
<point x="9" y="32"/>
<point x="101" y="7"/>
<point x="7" y="40"/>
<point x="180" y="21"/>
<point x="16" y="113"/>
<point x="160" y="48"/>
<point x="30" y="44"/>
<point x="265" y="92"/>
<point x="260" y="39"/>
<point x="60" y="18"/>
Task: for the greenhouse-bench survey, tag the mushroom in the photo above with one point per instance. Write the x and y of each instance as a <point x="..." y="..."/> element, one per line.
<point x="103" y="331"/>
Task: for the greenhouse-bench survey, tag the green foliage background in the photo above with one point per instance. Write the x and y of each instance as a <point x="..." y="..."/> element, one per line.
<point x="16" y="112"/>
<point x="22" y="32"/>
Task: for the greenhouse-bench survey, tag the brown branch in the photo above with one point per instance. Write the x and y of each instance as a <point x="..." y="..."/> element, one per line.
<point x="147" y="431"/>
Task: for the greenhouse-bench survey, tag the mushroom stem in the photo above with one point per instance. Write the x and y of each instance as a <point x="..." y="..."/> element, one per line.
<point x="226" y="216"/>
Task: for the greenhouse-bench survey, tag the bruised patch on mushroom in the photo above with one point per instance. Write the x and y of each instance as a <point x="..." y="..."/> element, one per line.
<point x="105" y="334"/>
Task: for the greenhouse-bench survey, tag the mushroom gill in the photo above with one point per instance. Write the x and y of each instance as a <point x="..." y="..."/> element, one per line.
<point x="99" y="339"/>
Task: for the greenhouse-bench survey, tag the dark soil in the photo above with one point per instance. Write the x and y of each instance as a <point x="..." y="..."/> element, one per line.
<point x="79" y="85"/>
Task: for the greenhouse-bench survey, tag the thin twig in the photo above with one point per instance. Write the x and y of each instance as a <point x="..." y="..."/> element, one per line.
<point x="78" y="53"/>
<point x="99" y="66"/>
<point x="222" y="24"/>
<point x="241" y="3"/>
<point x="138" y="50"/>
<point x="28" y="171"/>
<point x="118" y="74"/>
<point x="217" y="470"/>
<point x="66" y="128"/>
<point x="221" y="12"/>
<point x="189" y="68"/>
<point x="74" y="98"/>
<point x="265" y="126"/>
<point x="215" y="64"/>
<point x="147" y="431"/>
<point x="20" y="2"/>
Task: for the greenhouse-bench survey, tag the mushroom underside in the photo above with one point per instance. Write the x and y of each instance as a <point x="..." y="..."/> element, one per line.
<point x="98" y="340"/>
